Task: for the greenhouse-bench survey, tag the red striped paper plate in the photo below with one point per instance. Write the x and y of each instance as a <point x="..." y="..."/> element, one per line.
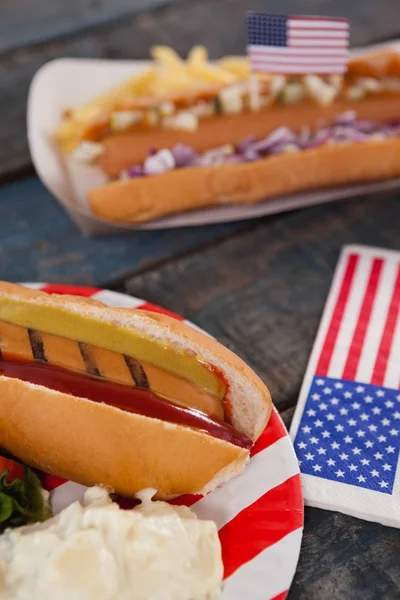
<point x="259" y="514"/>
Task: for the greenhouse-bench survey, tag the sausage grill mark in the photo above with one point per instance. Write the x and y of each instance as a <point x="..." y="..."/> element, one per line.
<point x="37" y="345"/>
<point x="137" y="372"/>
<point x="89" y="360"/>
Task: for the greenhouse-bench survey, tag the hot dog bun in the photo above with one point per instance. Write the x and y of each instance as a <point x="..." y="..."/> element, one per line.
<point x="378" y="64"/>
<point x="147" y="198"/>
<point x="93" y="443"/>
<point x="124" y="150"/>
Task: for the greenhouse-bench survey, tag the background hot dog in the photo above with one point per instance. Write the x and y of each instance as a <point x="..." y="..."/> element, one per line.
<point x="127" y="149"/>
<point x="184" y="95"/>
<point x="146" y="198"/>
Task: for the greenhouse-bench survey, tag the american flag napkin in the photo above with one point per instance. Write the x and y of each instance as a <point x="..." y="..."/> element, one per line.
<point x="297" y="44"/>
<point x="346" y="428"/>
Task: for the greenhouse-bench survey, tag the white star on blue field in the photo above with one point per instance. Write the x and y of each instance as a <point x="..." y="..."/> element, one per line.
<point x="266" y="30"/>
<point x="350" y="432"/>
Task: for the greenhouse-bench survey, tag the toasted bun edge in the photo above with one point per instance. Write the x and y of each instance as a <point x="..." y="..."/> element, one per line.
<point x="92" y="443"/>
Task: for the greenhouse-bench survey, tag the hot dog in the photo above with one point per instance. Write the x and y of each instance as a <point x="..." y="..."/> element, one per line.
<point x="122" y="151"/>
<point x="211" y="124"/>
<point x="121" y="397"/>
<point x="147" y="198"/>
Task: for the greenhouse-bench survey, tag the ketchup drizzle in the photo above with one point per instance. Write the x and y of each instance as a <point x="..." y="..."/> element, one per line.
<point x="130" y="399"/>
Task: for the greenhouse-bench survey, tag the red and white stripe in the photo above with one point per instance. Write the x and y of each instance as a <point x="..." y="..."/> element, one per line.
<point x="259" y="514"/>
<point x="314" y="45"/>
<point x="361" y="338"/>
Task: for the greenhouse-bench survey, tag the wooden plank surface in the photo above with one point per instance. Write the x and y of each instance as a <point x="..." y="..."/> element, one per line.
<point x="181" y="25"/>
<point x="343" y="558"/>
<point x="21" y="26"/>
<point x="40" y="243"/>
<point x="262" y="293"/>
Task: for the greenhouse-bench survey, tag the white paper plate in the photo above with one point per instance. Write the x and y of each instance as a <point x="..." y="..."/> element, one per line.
<point x="69" y="82"/>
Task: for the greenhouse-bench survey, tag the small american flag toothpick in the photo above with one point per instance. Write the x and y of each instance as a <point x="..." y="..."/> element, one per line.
<point x="346" y="429"/>
<point x="297" y="44"/>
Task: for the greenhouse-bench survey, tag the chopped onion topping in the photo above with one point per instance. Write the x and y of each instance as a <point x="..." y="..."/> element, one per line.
<point x="323" y="93"/>
<point x="122" y="119"/>
<point x="87" y="152"/>
<point x="185" y="120"/>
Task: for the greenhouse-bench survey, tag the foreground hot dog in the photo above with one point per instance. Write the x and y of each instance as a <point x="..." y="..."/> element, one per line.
<point x="77" y="396"/>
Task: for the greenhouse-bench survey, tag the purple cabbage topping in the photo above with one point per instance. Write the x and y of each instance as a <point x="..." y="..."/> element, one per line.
<point x="250" y="155"/>
<point x="281" y="136"/>
<point x="135" y="171"/>
<point x="346" y="118"/>
<point x="246" y="144"/>
<point x="345" y="128"/>
<point x="366" y="126"/>
<point x="184" y="155"/>
<point x="320" y="138"/>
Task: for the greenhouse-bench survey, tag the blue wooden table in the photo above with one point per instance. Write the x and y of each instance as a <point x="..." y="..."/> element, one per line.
<point x="39" y="242"/>
<point x="258" y="286"/>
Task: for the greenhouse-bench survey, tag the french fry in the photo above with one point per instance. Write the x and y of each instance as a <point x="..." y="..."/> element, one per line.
<point x="199" y="65"/>
<point x="237" y="65"/>
<point x="197" y="56"/>
<point x="71" y="130"/>
<point x="167" y="57"/>
<point x="169" y="75"/>
<point x="213" y="73"/>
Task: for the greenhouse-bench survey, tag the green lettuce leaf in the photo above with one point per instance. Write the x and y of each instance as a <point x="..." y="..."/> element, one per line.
<point x="22" y="501"/>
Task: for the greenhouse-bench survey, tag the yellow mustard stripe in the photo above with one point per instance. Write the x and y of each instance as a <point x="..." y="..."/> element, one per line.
<point x="75" y="326"/>
<point x="110" y="365"/>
